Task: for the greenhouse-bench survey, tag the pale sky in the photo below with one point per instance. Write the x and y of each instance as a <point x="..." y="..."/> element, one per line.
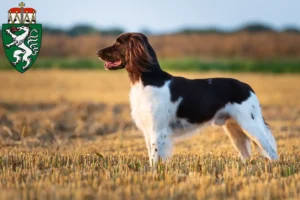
<point x="160" y="15"/>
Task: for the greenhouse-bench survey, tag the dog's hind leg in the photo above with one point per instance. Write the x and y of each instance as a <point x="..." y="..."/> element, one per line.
<point x="248" y="115"/>
<point x="256" y="134"/>
<point x="238" y="138"/>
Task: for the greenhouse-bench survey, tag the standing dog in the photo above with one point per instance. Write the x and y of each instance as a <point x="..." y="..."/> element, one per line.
<point x="165" y="107"/>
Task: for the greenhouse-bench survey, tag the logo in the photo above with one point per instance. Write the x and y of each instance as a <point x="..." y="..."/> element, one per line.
<point x="22" y="37"/>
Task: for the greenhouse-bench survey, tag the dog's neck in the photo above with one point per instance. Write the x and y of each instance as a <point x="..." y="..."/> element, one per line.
<point x="154" y="76"/>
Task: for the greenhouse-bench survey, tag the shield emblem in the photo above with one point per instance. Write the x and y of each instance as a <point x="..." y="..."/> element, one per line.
<point x="22" y="38"/>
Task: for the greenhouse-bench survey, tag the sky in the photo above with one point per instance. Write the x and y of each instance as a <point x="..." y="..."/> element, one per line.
<point x="160" y="15"/>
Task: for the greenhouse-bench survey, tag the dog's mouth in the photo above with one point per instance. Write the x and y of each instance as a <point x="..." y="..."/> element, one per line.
<point x="112" y="65"/>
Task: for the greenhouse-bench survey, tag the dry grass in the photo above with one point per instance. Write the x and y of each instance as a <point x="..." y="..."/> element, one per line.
<point x="68" y="135"/>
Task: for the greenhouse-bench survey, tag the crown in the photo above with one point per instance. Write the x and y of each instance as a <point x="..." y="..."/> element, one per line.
<point x="22" y="15"/>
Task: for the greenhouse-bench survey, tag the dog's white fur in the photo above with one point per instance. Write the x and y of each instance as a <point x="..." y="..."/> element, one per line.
<point x="153" y="111"/>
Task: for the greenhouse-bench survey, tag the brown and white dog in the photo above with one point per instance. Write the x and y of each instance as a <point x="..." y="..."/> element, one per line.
<point x="165" y="107"/>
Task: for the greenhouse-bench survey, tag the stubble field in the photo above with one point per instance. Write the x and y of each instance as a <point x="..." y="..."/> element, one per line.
<point x="69" y="135"/>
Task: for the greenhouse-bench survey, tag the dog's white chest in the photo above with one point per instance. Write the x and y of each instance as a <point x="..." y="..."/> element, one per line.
<point x="153" y="110"/>
<point x="151" y="107"/>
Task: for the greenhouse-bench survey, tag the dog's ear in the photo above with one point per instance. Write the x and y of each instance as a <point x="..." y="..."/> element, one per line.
<point x="138" y="52"/>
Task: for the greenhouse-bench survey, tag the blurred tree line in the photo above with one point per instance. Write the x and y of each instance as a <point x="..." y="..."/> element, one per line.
<point x="251" y="28"/>
<point x="89" y="29"/>
<point x="253" y="40"/>
<point x="83" y="29"/>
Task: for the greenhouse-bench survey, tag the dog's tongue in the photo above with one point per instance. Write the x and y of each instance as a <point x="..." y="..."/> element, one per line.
<point x="112" y="64"/>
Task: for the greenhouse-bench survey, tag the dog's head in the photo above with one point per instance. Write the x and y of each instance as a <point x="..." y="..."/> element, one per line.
<point x="131" y="51"/>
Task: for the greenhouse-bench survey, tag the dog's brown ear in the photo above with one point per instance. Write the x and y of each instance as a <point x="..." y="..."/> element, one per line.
<point x="137" y="53"/>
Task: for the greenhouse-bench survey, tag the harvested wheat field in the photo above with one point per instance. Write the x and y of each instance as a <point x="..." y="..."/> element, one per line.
<point x="68" y="135"/>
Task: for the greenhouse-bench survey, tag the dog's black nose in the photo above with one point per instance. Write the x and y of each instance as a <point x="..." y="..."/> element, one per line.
<point x="99" y="53"/>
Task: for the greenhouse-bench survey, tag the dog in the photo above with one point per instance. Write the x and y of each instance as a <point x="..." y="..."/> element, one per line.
<point x="165" y="107"/>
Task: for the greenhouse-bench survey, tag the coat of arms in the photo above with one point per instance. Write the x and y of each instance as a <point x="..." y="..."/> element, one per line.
<point x="22" y="37"/>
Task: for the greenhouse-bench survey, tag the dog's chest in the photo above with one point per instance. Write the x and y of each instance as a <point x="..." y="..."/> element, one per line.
<point x="151" y="106"/>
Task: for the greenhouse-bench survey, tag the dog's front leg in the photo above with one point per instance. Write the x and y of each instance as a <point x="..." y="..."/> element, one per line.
<point x="147" y="141"/>
<point x="160" y="146"/>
